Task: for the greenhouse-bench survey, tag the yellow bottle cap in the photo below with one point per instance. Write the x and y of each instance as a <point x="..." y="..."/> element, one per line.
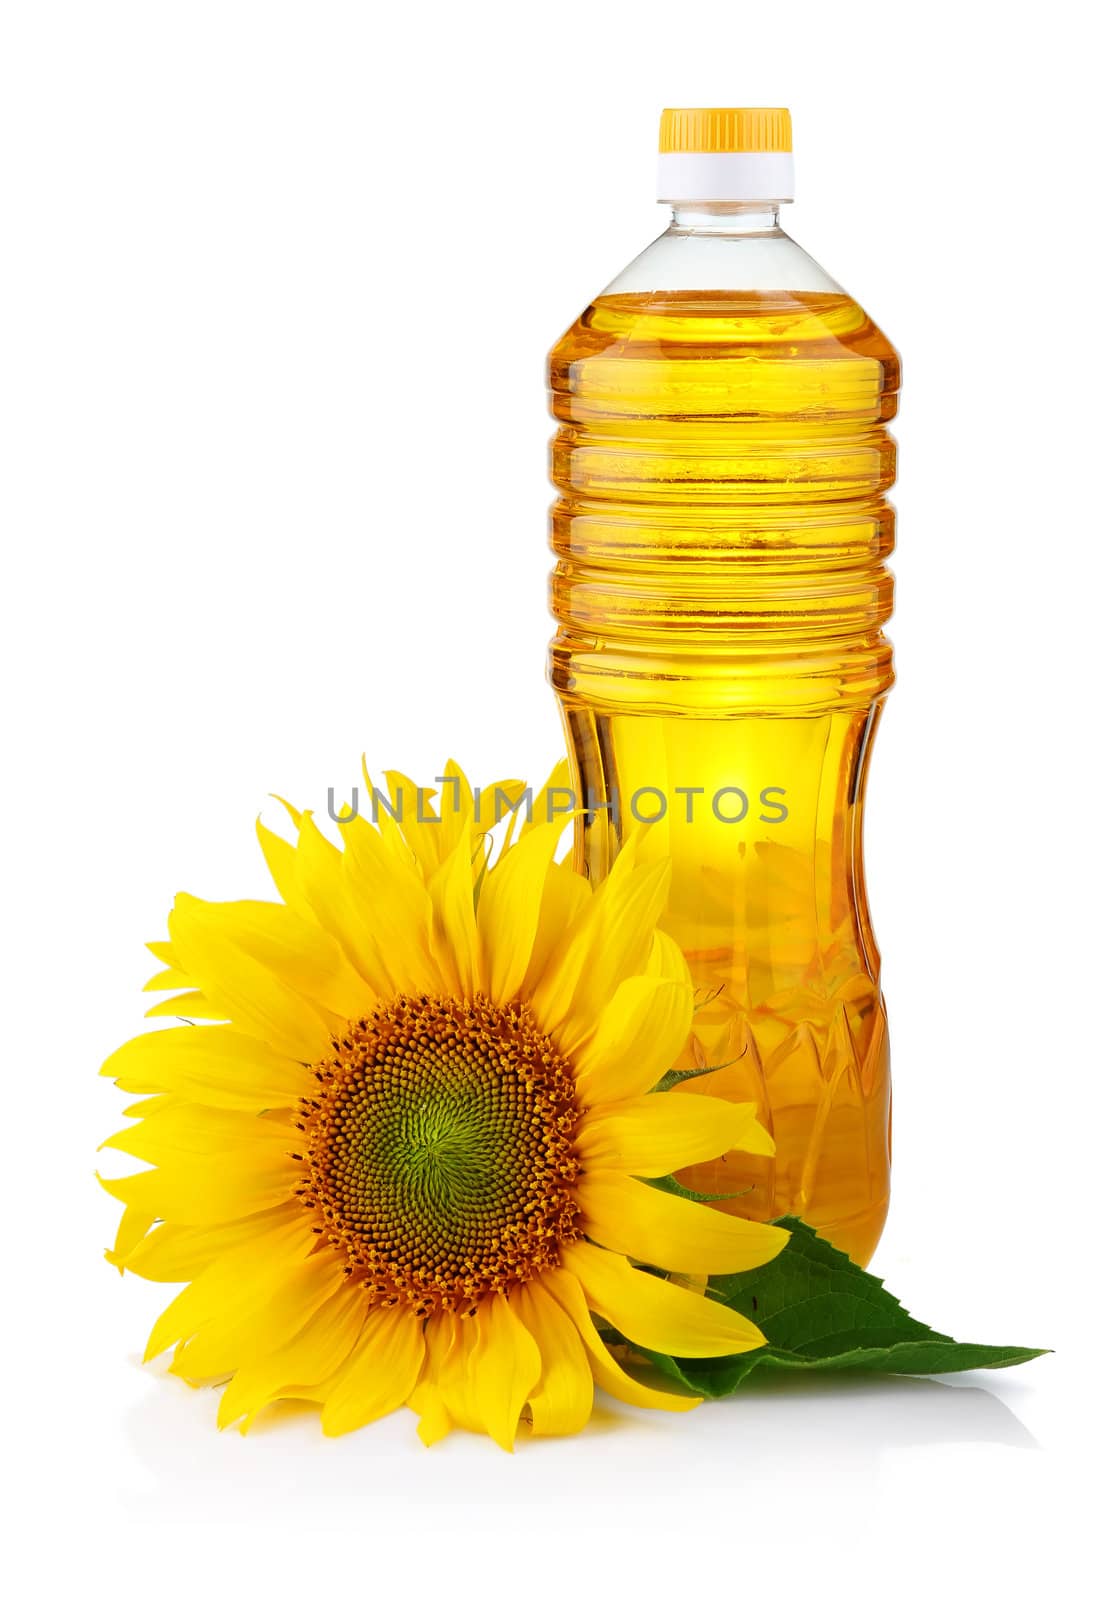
<point x="725" y="154"/>
<point x="735" y="129"/>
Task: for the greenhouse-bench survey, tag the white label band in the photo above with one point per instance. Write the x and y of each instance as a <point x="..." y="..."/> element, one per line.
<point x="725" y="175"/>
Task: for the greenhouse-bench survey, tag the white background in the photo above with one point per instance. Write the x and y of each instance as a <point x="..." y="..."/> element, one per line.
<point x="276" y="288"/>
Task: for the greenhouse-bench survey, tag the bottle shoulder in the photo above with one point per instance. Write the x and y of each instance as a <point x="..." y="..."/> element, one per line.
<point x="725" y="297"/>
<point x="765" y="258"/>
<point x="684" y="337"/>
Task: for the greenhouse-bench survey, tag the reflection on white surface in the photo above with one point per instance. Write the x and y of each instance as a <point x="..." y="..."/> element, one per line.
<point x="777" y="1434"/>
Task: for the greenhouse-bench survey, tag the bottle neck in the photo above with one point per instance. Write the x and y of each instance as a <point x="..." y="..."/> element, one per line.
<point x="726" y="217"/>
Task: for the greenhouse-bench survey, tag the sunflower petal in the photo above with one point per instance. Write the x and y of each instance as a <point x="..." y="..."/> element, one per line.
<point x="542" y="807"/>
<point x="509" y="909"/>
<point x="177" y="1252"/>
<point x="305" y="1361"/>
<point x="252" y="995"/>
<point x="608" y="942"/>
<point x="190" y="1004"/>
<point x="280" y="858"/>
<point x="204" y="1192"/>
<point x="442" y="1399"/>
<point x="456" y="810"/>
<point x="495" y="801"/>
<point x="430" y="1408"/>
<point x="455" y="923"/>
<point x="252" y="1325"/>
<point x="642" y="1031"/>
<point x="681" y="1235"/>
<point x="503" y="1368"/>
<point x="218" y="1066"/>
<point x="296" y="950"/>
<point x="243" y="1272"/>
<point x="381" y="1372"/>
<point x="394" y="909"/>
<point x="321" y="884"/>
<point x="564" y="1288"/>
<point x="182" y="1130"/>
<point x="561" y="1401"/>
<point x="167" y="978"/>
<point x="133" y="1227"/>
<point x="565" y="897"/>
<point x="653" y="1313"/>
<point x="417" y="821"/>
<point x="652" y="1135"/>
<point x="621" y="945"/>
<point x="667" y="960"/>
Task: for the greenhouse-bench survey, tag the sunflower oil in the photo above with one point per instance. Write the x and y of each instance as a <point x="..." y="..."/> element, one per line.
<point x="721" y="532"/>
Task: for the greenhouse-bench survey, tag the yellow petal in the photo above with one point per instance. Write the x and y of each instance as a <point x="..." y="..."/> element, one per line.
<point x="149" y="1105"/>
<point x="394" y="908"/>
<point x="496" y="801"/>
<point x="190" y="1004"/>
<point x="455" y="923"/>
<point x="303" y="1362"/>
<point x="204" y="1192"/>
<point x="681" y="1235"/>
<point x="417" y="820"/>
<point x="610" y="942"/>
<point x="430" y="1408"/>
<point x="218" y="1066"/>
<point x="456" y="810"/>
<point x="251" y="994"/>
<point x="280" y="858"/>
<point x="133" y="1228"/>
<point x="177" y="1252"/>
<point x="243" y="1272"/>
<point x="653" y="1313"/>
<point x="571" y="951"/>
<point x="565" y="897"/>
<point x="249" y="1326"/>
<point x="322" y="881"/>
<point x="381" y="1372"/>
<point x="443" y="1399"/>
<point x="168" y="978"/>
<point x="667" y="960"/>
<point x="509" y="909"/>
<point x="541" y="812"/>
<point x="207" y="1133"/>
<point x="295" y="949"/>
<point x="561" y="1401"/>
<point x="564" y="1288"/>
<point x="642" y="1031"/>
<point x="503" y="1367"/>
<point x="622" y="943"/>
<point x="655" y="1134"/>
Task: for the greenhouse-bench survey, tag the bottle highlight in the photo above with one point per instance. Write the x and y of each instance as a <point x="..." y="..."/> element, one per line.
<point x="721" y="533"/>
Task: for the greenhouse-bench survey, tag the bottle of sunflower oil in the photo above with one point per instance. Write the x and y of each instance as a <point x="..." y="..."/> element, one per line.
<point x="722" y="461"/>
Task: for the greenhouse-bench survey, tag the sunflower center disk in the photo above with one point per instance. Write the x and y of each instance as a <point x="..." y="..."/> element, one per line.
<point x="440" y="1151"/>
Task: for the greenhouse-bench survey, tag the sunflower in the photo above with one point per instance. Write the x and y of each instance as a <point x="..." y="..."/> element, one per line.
<point x="397" y="1153"/>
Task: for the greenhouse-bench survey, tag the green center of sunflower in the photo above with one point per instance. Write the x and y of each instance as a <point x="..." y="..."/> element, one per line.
<point x="440" y="1151"/>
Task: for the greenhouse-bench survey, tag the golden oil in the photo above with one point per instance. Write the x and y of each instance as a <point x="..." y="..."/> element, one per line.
<point x="721" y="530"/>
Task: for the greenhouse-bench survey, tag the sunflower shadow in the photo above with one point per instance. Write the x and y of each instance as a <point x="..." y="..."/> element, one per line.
<point x="854" y="1417"/>
<point x="846" y="1425"/>
<point x="868" y="1414"/>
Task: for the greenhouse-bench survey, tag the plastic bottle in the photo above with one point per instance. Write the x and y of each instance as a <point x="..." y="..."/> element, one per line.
<point x="722" y="460"/>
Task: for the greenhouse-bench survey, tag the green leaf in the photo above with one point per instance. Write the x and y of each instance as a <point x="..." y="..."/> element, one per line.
<point x="821" y="1313"/>
<point x="682" y="1075"/>
<point x="670" y="1185"/>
